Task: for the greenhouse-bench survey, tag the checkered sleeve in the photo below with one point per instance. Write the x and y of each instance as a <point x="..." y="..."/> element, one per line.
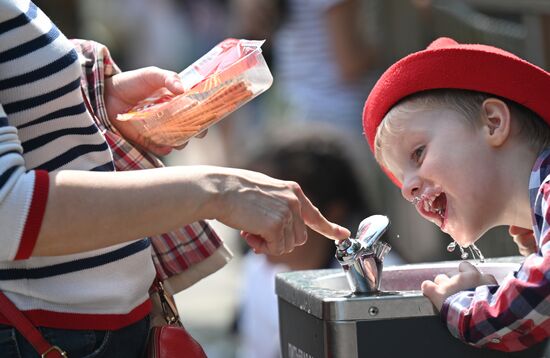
<point x="515" y="315"/>
<point x="174" y="251"/>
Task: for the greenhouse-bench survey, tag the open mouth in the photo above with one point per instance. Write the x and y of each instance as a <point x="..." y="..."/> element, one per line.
<point x="433" y="207"/>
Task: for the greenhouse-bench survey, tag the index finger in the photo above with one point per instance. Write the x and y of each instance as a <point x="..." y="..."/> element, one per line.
<point x="315" y="220"/>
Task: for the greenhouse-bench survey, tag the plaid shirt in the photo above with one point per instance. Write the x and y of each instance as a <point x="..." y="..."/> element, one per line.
<point x="515" y="315"/>
<point x="174" y="251"/>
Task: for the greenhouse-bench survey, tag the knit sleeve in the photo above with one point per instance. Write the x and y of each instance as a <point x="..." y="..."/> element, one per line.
<point x="23" y="196"/>
<point x="514" y="315"/>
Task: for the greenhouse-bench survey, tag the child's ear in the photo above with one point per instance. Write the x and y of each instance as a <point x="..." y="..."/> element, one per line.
<point x="495" y="115"/>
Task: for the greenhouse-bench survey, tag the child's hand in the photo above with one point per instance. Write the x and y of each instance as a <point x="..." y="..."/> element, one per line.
<point x="444" y="286"/>
<point x="525" y="239"/>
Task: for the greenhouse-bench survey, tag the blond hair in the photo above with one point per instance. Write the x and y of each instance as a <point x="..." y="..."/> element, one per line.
<point x="532" y="128"/>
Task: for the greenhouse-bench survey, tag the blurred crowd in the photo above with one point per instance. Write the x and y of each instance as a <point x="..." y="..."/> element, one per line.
<point x="325" y="55"/>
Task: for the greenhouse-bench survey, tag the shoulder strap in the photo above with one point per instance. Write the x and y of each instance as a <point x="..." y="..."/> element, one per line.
<point x="28" y="330"/>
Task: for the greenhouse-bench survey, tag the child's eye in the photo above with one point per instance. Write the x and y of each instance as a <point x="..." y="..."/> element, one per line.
<point x="417" y="154"/>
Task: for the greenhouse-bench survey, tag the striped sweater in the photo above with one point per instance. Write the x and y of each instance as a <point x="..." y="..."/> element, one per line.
<point x="45" y="127"/>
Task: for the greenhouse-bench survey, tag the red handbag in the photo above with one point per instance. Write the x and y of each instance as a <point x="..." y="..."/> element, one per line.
<point x="171" y="340"/>
<point x="168" y="341"/>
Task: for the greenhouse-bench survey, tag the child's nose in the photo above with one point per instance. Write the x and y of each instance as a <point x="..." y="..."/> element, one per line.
<point x="410" y="188"/>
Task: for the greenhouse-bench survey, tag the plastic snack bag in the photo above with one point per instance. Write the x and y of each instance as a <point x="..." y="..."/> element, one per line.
<point x="217" y="84"/>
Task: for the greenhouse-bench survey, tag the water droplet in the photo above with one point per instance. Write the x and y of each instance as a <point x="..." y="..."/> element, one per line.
<point x="463" y="254"/>
<point x="451" y="247"/>
<point x="475" y="251"/>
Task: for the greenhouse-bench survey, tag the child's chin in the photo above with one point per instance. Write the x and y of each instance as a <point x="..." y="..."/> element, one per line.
<point x="459" y="236"/>
<point x="450" y="230"/>
<point x="464" y="239"/>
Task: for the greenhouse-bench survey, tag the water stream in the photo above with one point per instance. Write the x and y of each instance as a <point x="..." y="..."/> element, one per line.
<point x="474" y="251"/>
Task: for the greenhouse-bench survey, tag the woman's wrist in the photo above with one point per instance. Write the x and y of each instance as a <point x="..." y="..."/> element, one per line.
<point x="212" y="182"/>
<point x="224" y="189"/>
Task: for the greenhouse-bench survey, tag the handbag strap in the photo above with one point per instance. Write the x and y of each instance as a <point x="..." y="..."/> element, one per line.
<point x="28" y="330"/>
<point x="169" y="309"/>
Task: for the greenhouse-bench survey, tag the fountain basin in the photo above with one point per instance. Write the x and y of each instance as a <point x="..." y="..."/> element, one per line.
<point x="320" y="317"/>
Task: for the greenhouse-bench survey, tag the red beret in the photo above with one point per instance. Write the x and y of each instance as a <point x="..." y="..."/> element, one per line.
<point x="448" y="64"/>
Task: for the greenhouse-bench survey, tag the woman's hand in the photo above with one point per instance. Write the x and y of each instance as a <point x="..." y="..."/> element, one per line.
<point x="444" y="286"/>
<point x="525" y="239"/>
<point x="272" y="214"/>
<point x="124" y="90"/>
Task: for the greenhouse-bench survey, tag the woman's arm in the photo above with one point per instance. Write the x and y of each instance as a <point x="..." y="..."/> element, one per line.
<point x="91" y="210"/>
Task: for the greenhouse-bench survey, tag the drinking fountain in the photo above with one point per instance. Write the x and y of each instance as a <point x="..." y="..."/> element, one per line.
<point x="367" y="310"/>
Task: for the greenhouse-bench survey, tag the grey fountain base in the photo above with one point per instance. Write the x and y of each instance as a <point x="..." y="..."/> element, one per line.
<point x="320" y="318"/>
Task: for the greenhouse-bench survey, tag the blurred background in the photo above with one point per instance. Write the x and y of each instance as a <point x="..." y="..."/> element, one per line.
<point x="325" y="55"/>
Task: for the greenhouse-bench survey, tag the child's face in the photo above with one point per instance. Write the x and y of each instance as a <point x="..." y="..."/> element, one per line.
<point x="444" y="167"/>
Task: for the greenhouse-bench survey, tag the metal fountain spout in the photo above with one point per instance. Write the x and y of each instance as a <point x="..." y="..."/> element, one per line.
<point x="362" y="258"/>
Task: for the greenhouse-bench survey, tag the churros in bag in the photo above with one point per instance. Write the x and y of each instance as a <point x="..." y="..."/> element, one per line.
<point x="218" y="83"/>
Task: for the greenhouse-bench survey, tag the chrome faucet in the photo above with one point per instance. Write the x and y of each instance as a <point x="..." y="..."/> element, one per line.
<point x="362" y="258"/>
